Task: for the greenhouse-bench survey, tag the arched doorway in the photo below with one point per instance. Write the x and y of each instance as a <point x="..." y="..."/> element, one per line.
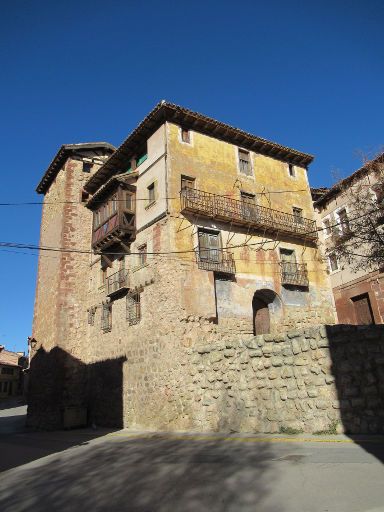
<point x="264" y="302"/>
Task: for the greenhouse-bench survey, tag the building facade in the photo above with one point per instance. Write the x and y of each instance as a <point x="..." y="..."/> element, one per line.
<point x="358" y="294"/>
<point x="11" y="377"/>
<point x="192" y="231"/>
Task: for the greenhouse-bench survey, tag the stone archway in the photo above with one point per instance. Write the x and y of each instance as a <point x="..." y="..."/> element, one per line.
<point x="265" y="303"/>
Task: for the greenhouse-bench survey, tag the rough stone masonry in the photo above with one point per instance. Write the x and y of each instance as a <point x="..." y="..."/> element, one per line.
<point x="324" y="378"/>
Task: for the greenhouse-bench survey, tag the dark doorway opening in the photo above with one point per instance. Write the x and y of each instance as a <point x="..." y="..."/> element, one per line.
<point x="363" y="309"/>
<point x="264" y="303"/>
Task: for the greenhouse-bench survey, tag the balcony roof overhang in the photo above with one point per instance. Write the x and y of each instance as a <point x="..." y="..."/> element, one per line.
<point x="165" y="111"/>
<point x="111" y="185"/>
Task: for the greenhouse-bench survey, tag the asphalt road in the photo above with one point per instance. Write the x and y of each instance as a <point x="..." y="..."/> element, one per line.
<point x="100" y="471"/>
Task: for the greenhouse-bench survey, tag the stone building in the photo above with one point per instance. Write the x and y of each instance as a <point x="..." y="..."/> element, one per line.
<point x="11" y="377"/>
<point x="359" y="295"/>
<point x="191" y="231"/>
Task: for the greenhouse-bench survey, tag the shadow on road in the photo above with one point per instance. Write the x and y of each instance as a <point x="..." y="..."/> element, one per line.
<point x="20" y="448"/>
<point x="147" y="475"/>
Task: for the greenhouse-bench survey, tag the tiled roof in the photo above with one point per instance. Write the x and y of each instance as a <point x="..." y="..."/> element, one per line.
<point x="337" y="188"/>
<point x="9" y="358"/>
<point x="164" y="111"/>
<point x="64" y="152"/>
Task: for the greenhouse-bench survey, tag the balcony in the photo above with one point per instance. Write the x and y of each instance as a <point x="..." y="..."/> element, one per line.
<point x="117" y="283"/>
<point x="247" y="214"/>
<point x="119" y="228"/>
<point x="295" y="274"/>
<point x="215" y="260"/>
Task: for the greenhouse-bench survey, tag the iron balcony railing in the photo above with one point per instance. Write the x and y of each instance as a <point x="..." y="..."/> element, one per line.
<point x="246" y="213"/>
<point x="216" y="260"/>
<point x="294" y="273"/>
<point x="117" y="281"/>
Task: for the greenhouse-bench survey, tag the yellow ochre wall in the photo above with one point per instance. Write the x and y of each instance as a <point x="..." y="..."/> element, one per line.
<point x="214" y="165"/>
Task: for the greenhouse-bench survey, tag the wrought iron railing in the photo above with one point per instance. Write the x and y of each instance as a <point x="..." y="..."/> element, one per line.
<point x="217" y="260"/>
<point x="294" y="273"/>
<point x="247" y="213"/>
<point x="117" y="281"/>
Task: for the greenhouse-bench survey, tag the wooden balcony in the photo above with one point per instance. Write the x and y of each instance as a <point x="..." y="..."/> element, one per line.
<point x="117" y="283"/>
<point x="119" y="228"/>
<point x="247" y="214"/>
<point x="295" y="274"/>
<point x="215" y="260"/>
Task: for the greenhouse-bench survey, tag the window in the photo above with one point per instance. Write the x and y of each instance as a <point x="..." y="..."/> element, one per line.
<point x="298" y="215"/>
<point x="343" y="221"/>
<point x="141" y="157"/>
<point x="250" y="198"/>
<point x="96" y="219"/>
<point x="151" y="193"/>
<point x="333" y="263"/>
<point x="7" y="371"/>
<point x="129" y="201"/>
<point x="327" y="226"/>
<point x="87" y="166"/>
<point x="245" y="162"/>
<point x="106" y="317"/>
<point x="142" y="250"/>
<point x="291" y="170"/>
<point x="185" y="136"/>
<point x="248" y="205"/>
<point x="209" y="245"/>
<point x="287" y="256"/>
<point x="133" y="308"/>
<point x="113" y="205"/>
<point x="187" y="182"/>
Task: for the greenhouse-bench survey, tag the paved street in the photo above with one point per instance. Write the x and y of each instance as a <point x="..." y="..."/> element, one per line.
<point x="136" y="471"/>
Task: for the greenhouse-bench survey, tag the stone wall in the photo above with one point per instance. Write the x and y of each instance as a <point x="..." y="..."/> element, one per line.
<point x="320" y="378"/>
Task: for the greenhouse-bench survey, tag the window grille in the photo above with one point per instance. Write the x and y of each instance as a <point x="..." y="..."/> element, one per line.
<point x="106" y="318"/>
<point x="133" y="308"/>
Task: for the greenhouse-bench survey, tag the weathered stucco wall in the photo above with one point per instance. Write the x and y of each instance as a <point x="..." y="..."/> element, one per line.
<point x="214" y="165"/>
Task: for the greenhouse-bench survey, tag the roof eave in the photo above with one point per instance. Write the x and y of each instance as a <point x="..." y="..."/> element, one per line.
<point x="63" y="153"/>
<point x="179" y="115"/>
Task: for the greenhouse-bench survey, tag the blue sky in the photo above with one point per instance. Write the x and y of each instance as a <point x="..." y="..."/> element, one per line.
<point x="305" y="74"/>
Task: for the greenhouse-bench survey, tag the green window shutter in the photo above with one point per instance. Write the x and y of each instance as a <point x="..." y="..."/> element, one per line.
<point x="140" y="159"/>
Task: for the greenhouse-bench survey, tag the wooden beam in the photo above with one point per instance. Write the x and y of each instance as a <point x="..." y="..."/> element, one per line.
<point x="106" y="260"/>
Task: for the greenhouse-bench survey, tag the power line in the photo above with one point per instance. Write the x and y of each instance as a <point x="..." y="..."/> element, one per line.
<point x="85" y="251"/>
<point x="36" y="203"/>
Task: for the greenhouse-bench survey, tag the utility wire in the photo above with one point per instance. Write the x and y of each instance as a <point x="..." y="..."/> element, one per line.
<point x="84" y="251"/>
<point x="33" y="203"/>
